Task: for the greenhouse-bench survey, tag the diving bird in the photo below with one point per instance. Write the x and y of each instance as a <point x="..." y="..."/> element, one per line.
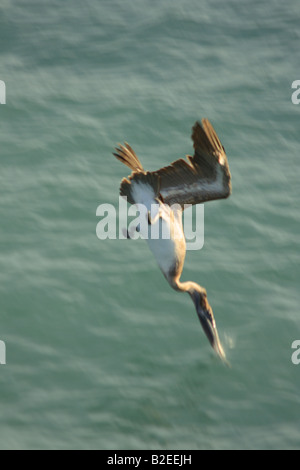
<point x="203" y="177"/>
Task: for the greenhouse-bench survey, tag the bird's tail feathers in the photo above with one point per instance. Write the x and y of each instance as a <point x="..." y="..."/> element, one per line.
<point x="127" y="155"/>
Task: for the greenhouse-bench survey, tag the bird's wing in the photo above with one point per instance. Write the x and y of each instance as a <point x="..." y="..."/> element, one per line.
<point x="204" y="177"/>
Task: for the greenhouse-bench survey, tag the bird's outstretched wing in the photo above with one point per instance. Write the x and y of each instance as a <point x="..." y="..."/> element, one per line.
<point x="204" y="177"/>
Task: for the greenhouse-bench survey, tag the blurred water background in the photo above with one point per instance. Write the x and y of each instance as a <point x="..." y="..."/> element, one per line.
<point x="101" y="353"/>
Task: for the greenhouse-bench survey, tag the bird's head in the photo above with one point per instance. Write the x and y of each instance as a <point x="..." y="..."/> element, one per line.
<point x="206" y="318"/>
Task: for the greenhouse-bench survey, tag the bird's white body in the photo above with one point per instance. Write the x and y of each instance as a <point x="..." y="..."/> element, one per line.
<point x="170" y="247"/>
<point x="164" y="235"/>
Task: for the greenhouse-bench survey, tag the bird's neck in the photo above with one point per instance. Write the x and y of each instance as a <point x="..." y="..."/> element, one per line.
<point x="188" y="286"/>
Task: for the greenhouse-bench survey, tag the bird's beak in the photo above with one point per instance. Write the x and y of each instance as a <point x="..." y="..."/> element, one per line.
<point x="209" y="326"/>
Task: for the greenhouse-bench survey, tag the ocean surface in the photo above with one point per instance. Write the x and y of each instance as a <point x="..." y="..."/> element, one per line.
<point x="100" y="352"/>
